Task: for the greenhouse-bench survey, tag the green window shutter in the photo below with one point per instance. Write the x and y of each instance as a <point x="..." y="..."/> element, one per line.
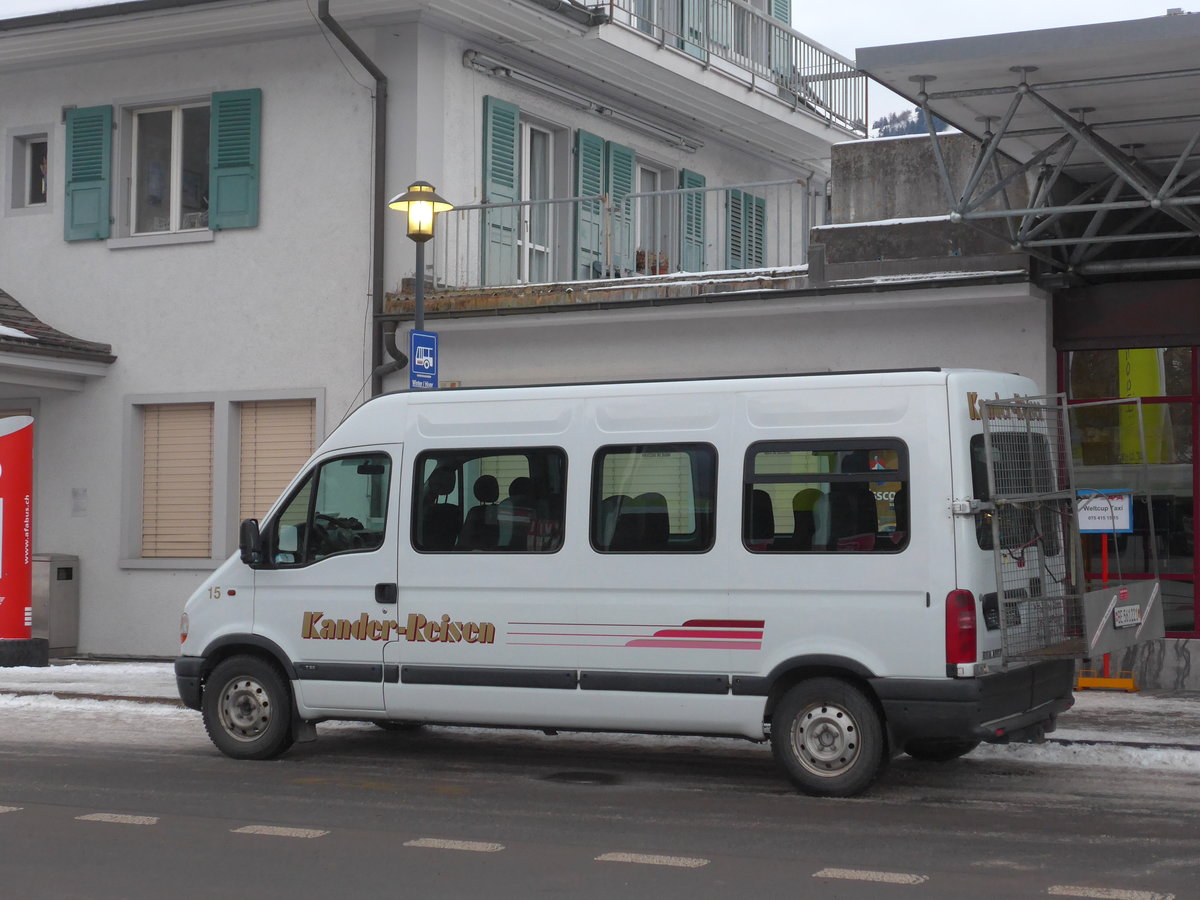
<point x="756" y="232"/>
<point x="781" y="41"/>
<point x="619" y="168"/>
<point x="89" y="173"/>
<point x="745" y="230"/>
<point x="694" y="42"/>
<point x="691" y="228"/>
<point x="233" y="159"/>
<point x="735" y="230"/>
<point x="589" y="214"/>
<point x="501" y="184"/>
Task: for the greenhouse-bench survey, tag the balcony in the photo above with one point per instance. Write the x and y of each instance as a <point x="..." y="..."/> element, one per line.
<point x="743" y="43"/>
<point x="582" y="249"/>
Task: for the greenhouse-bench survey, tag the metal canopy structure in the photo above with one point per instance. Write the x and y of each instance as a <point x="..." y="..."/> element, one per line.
<point x="1103" y="123"/>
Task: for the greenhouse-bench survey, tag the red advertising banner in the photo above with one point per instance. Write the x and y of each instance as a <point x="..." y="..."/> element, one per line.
<point x="16" y="528"/>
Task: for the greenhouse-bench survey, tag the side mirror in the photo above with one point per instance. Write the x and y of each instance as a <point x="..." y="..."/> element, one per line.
<point x="250" y="543"/>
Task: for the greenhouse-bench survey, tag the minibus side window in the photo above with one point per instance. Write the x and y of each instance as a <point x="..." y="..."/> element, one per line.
<point x="339" y="508"/>
<point x="657" y="498"/>
<point x="507" y="499"/>
<point x="842" y="496"/>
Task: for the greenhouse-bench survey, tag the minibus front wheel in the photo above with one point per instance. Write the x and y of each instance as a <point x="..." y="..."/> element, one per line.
<point x="829" y="738"/>
<point x="247" y="708"/>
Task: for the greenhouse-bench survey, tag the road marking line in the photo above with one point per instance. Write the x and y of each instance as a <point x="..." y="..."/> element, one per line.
<point x="682" y="862"/>
<point x="864" y="875"/>
<point x="4" y="809"/>
<point x="277" y="831"/>
<point x="437" y="844"/>
<point x="1091" y="893"/>
<point x="118" y="819"/>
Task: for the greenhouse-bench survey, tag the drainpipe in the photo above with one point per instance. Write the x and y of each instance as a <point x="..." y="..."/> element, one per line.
<point x="377" y="179"/>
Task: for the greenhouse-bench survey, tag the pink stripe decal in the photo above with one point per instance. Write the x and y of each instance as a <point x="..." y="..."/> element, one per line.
<point x="724" y="623"/>
<point x="697" y="645"/>
<point x="691" y="633"/>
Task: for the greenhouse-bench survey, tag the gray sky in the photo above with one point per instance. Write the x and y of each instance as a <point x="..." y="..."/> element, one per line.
<point x="846" y="26"/>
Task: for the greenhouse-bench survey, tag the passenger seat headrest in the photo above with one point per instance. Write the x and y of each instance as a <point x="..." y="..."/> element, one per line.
<point x="487" y="489"/>
<point x="441" y="481"/>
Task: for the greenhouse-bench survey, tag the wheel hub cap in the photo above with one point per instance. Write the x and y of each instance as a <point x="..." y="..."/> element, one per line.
<point x="825" y="738"/>
<point x="245" y="709"/>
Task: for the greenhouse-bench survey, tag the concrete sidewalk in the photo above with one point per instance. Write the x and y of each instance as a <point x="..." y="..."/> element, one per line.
<point x="1150" y="719"/>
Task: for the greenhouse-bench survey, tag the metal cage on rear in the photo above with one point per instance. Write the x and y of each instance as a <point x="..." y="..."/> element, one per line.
<point x="1034" y="537"/>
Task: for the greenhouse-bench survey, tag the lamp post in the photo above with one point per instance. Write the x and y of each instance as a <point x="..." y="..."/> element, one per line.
<point x="420" y="202"/>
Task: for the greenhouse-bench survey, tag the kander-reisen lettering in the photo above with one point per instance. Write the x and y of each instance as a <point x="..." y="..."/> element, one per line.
<point x="417" y="628"/>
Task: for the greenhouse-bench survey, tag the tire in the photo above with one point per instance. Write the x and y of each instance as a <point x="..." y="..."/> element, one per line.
<point x="247" y="708"/>
<point x="939" y="751"/>
<point x="829" y="738"/>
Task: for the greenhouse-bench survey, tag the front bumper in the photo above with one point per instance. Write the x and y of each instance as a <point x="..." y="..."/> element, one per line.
<point x="1020" y="704"/>
<point x="188" y="678"/>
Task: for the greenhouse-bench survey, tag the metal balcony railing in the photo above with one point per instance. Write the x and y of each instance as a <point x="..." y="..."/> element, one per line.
<point x="697" y="230"/>
<point x="745" y="43"/>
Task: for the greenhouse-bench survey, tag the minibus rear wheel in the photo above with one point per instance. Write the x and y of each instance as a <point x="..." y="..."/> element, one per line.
<point x="247" y="709"/>
<point x="828" y="737"/>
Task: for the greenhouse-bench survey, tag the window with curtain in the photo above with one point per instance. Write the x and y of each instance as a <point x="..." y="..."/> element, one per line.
<point x="177" y="477"/>
<point x="276" y="438"/>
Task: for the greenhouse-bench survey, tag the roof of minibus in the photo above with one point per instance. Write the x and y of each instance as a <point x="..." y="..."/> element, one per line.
<point x="376" y="420"/>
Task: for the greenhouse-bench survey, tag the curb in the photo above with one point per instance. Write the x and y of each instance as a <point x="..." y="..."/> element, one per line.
<point x="72" y="695"/>
<point x="1141" y="745"/>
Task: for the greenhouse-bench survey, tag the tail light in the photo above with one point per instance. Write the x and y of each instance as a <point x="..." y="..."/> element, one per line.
<point x="960" y="628"/>
<point x="183" y="628"/>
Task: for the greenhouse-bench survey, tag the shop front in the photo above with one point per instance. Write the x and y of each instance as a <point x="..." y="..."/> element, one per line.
<point x="1140" y="340"/>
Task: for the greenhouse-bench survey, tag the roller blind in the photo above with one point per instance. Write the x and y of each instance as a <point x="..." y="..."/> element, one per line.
<point x="277" y="436"/>
<point x="177" y="441"/>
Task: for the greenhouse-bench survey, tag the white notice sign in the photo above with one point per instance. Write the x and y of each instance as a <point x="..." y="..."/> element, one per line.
<point x="1105" y="512"/>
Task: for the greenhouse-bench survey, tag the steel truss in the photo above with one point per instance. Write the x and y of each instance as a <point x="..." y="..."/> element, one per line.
<point x="1136" y="201"/>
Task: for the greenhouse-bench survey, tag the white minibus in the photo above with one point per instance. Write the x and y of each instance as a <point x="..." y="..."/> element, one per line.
<point x="804" y="559"/>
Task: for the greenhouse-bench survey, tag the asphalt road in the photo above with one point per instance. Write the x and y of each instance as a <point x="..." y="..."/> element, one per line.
<point x="142" y="807"/>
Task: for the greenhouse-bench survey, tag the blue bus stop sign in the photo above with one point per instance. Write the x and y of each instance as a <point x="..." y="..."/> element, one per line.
<point x="422" y="360"/>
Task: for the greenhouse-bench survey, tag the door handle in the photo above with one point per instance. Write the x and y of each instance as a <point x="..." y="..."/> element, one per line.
<point x="386" y="592"/>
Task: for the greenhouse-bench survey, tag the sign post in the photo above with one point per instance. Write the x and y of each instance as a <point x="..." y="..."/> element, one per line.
<point x="1104" y="513"/>
<point x="18" y="647"/>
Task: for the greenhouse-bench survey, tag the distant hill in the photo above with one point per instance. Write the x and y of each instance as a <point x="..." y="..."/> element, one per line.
<point x="910" y="121"/>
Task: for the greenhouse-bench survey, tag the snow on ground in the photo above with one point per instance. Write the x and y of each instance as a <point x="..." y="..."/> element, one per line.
<point x="1125" y="723"/>
<point x="132" y="679"/>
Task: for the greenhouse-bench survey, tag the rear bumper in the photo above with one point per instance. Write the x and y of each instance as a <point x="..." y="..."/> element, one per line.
<point x="1020" y="704"/>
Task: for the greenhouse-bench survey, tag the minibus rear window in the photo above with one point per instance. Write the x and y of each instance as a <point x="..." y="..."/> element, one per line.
<point x="1022" y="467"/>
<point x="497" y="500"/>
<point x="653" y="498"/>
<point x="840" y="496"/>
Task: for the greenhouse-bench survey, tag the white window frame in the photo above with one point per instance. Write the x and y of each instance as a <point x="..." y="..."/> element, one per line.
<point x="226" y="469"/>
<point x="175" y="223"/>
<point x="19" y="143"/>
<point x="124" y="149"/>
<point x="526" y="248"/>
<point x="664" y="211"/>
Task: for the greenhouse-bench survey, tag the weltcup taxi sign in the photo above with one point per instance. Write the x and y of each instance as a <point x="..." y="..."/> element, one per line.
<point x="16" y="527"/>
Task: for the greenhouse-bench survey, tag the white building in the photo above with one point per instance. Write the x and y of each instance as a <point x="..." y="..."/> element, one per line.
<point x="193" y="196"/>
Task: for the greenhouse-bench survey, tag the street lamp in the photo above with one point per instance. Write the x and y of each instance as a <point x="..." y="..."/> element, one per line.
<point x="421" y="203"/>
